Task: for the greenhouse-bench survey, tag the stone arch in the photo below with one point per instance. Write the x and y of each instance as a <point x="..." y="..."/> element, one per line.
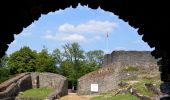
<point x="151" y="19"/>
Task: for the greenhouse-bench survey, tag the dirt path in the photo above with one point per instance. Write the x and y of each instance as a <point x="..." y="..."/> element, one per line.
<point x="74" y="96"/>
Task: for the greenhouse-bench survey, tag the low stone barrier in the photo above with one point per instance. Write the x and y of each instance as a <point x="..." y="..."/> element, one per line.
<point x="7" y="83"/>
<point x="11" y="88"/>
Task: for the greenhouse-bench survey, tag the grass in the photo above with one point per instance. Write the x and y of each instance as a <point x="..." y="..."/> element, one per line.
<point x="39" y="93"/>
<point x="128" y="79"/>
<point x="140" y="86"/>
<point x="130" y="69"/>
<point x="118" y="97"/>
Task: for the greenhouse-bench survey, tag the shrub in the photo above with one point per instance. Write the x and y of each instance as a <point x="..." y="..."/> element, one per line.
<point x="4" y="74"/>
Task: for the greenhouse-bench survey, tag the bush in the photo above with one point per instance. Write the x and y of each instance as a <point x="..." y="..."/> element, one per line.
<point x="4" y="74"/>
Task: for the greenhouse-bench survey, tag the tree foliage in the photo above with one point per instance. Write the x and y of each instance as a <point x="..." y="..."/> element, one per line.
<point x="4" y="70"/>
<point x="72" y="63"/>
<point x="3" y="61"/>
<point x="95" y="56"/>
<point x="23" y="60"/>
<point x="58" y="57"/>
<point x="73" y="55"/>
<point x="73" y="52"/>
<point x="45" y="62"/>
<point x="4" y="74"/>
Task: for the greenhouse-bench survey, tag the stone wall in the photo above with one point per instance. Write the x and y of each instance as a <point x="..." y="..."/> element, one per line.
<point x="110" y="75"/>
<point x="107" y="79"/>
<point x="56" y="81"/>
<point x="142" y="59"/>
<point x="10" y="88"/>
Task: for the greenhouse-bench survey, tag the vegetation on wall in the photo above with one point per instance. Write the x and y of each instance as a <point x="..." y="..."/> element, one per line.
<point x="130" y="69"/>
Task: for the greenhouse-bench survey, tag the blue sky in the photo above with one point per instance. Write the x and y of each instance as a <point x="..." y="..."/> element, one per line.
<point x="86" y="26"/>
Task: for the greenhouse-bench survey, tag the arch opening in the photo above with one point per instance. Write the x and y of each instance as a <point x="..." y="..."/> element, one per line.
<point x="77" y="28"/>
<point x="146" y="24"/>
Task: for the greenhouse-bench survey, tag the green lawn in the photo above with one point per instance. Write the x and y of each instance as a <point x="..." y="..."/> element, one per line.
<point x="39" y="93"/>
<point x="118" y="97"/>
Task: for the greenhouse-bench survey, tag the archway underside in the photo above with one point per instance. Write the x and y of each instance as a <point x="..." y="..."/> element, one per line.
<point x="151" y="19"/>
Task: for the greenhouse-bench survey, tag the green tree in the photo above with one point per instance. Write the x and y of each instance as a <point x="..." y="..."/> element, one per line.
<point x="58" y="57"/>
<point x="94" y="60"/>
<point x="45" y="62"/>
<point x="96" y="56"/>
<point x="4" y="70"/>
<point x="4" y="74"/>
<point x="67" y="70"/>
<point x="23" y="60"/>
<point x="73" y="54"/>
<point x="3" y="61"/>
<point x="88" y="67"/>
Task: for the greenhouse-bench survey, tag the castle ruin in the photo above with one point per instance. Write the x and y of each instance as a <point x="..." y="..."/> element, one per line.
<point x="108" y="77"/>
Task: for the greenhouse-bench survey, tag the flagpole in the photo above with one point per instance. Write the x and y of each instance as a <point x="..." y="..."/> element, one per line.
<point x="107" y="42"/>
<point x="107" y="48"/>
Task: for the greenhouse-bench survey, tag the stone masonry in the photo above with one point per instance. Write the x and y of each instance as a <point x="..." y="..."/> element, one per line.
<point x="131" y="58"/>
<point x="106" y="78"/>
<point x="10" y="88"/>
<point x="112" y="72"/>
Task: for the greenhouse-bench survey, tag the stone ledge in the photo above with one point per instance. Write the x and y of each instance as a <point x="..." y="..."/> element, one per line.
<point x="7" y="83"/>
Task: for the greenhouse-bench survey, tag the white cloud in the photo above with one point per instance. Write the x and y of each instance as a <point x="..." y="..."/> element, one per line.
<point x="13" y="43"/>
<point x="72" y="37"/>
<point x="78" y="33"/>
<point x="25" y="34"/>
<point x="138" y="42"/>
<point x="32" y="25"/>
<point x="48" y="31"/>
<point x="97" y="38"/>
<point x="57" y="12"/>
<point x="49" y="37"/>
<point x="66" y="37"/>
<point x="91" y="26"/>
